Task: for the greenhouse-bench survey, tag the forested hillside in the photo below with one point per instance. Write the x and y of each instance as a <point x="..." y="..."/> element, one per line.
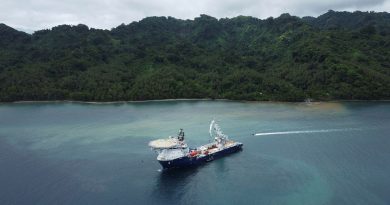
<point x="338" y="55"/>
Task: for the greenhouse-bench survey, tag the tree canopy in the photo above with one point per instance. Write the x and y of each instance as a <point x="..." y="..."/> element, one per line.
<point x="338" y="55"/>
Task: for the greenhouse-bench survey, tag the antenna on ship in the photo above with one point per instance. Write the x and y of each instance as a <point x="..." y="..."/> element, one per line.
<point x="180" y="135"/>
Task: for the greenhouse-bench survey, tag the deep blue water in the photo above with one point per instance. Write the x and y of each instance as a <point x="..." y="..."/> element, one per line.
<point x="72" y="153"/>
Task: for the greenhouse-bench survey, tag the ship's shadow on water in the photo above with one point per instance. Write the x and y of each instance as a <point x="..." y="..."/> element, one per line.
<point x="172" y="184"/>
<point x="179" y="185"/>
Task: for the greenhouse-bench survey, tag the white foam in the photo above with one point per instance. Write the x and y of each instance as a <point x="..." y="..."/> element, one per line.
<point x="304" y="131"/>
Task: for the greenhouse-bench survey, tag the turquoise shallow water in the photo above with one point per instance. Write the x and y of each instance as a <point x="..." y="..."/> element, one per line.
<point x="73" y="153"/>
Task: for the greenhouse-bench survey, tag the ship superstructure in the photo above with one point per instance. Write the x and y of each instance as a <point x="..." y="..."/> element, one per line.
<point x="173" y="152"/>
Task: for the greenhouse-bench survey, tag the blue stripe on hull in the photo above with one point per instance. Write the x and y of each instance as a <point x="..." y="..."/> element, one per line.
<point x="193" y="161"/>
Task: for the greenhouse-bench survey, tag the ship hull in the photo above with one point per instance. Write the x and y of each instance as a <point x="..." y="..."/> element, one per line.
<point x="188" y="161"/>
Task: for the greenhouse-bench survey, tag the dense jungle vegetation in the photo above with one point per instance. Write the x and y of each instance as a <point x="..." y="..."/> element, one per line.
<point x="338" y="55"/>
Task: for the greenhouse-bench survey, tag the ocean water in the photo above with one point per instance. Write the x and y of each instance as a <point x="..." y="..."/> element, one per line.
<point x="294" y="153"/>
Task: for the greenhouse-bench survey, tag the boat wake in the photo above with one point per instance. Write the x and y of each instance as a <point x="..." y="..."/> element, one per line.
<point x="305" y="131"/>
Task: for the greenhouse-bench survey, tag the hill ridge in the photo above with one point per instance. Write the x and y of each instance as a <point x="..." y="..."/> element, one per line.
<point x="338" y="55"/>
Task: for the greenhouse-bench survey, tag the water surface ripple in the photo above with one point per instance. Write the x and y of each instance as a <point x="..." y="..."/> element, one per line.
<point x="294" y="153"/>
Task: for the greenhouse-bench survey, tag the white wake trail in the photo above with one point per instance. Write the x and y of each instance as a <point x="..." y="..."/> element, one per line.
<point x="304" y="131"/>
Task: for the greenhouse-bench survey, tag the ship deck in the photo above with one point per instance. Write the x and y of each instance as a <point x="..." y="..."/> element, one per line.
<point x="212" y="147"/>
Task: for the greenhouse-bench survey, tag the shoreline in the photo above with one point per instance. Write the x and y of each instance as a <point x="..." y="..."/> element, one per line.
<point x="179" y="99"/>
